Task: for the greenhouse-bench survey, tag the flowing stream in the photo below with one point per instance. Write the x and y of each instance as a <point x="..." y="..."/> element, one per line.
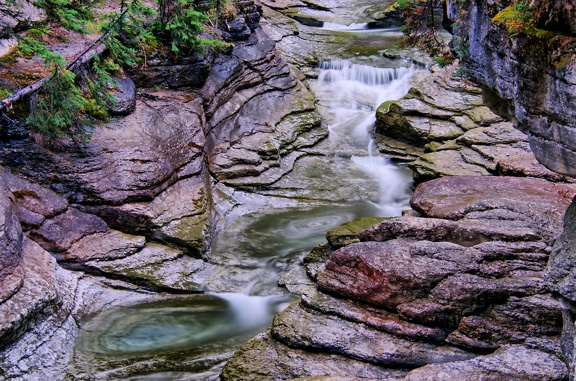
<point x="350" y="180"/>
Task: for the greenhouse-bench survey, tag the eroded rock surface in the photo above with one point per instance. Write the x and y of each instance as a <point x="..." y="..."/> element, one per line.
<point x="530" y="78"/>
<point x="133" y="209"/>
<point x="458" y="135"/>
<point x="460" y="279"/>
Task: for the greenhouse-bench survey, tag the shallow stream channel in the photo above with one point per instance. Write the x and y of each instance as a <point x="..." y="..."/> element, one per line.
<point x="264" y="235"/>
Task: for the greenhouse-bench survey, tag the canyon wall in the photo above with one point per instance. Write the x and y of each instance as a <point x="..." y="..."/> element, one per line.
<point x="531" y="78"/>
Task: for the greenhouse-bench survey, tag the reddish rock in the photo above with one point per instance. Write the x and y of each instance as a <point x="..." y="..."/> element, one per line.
<point x="390" y="273"/>
<point x="537" y="200"/>
<point x="34" y="198"/>
<point x="59" y="233"/>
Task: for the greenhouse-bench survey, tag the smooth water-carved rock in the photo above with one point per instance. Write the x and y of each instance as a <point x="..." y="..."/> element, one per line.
<point x="259" y="113"/>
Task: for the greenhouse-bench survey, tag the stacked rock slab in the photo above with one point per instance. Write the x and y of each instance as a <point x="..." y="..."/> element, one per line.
<point x="459" y="286"/>
<point x="533" y="80"/>
<point x="443" y="128"/>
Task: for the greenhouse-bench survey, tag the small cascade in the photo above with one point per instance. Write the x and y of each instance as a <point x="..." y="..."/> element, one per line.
<point x="344" y="70"/>
<point x="392" y="181"/>
<point x="351" y="93"/>
<point x="353" y="26"/>
<point x="250" y="312"/>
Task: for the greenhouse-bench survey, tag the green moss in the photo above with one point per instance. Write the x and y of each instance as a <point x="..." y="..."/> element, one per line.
<point x="347" y="233"/>
<point x="520" y="19"/>
<point x="4" y="93"/>
<point x="384" y="108"/>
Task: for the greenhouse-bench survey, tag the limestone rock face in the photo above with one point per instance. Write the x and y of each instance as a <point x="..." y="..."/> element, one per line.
<point x="447" y="119"/>
<point x="259" y="112"/>
<point x="529" y="79"/>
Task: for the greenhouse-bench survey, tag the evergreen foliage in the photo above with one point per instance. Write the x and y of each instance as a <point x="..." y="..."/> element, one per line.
<point x="420" y="28"/>
<point x="62" y="107"/>
<point x="68" y="104"/>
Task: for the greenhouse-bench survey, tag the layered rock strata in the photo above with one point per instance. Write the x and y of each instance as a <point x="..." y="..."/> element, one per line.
<point x="459" y="285"/>
<point x="531" y="78"/>
<point x="443" y="128"/>
<point x="132" y="212"/>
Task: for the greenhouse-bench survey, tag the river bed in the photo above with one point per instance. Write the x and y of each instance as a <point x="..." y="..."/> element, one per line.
<point x="265" y="234"/>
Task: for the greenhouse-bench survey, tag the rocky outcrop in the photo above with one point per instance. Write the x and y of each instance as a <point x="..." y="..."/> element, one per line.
<point x="132" y="210"/>
<point x="461" y="278"/>
<point x="532" y="78"/>
<point x="528" y="77"/>
<point x="260" y="115"/>
<point x="444" y="129"/>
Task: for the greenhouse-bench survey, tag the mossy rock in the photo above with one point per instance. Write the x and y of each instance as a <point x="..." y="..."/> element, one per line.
<point x="347" y="233"/>
<point x="315" y="260"/>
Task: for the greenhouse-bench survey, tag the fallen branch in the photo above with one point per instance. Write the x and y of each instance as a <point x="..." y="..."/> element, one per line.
<point x="96" y="48"/>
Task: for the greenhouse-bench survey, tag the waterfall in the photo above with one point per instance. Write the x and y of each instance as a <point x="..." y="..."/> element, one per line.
<point x="250" y="312"/>
<point x="392" y="182"/>
<point x="351" y="93"/>
<point x="344" y="70"/>
<point x="353" y="26"/>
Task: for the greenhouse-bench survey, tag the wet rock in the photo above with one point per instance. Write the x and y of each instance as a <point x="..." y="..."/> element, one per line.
<point x="106" y="245"/>
<point x="179" y="215"/>
<point x="191" y="72"/>
<point x="467" y="232"/>
<point x="464" y="274"/>
<point x="561" y="272"/>
<point x="513" y="362"/>
<point x="238" y="30"/>
<point x="301" y="328"/>
<point x="385" y="17"/>
<point x="125" y="97"/>
<point x="519" y="319"/>
<point x="281" y="362"/>
<point x="154" y="266"/>
<point x="33" y="203"/>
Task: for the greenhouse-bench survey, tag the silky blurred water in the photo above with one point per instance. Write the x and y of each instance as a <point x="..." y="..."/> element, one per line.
<point x="255" y="249"/>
